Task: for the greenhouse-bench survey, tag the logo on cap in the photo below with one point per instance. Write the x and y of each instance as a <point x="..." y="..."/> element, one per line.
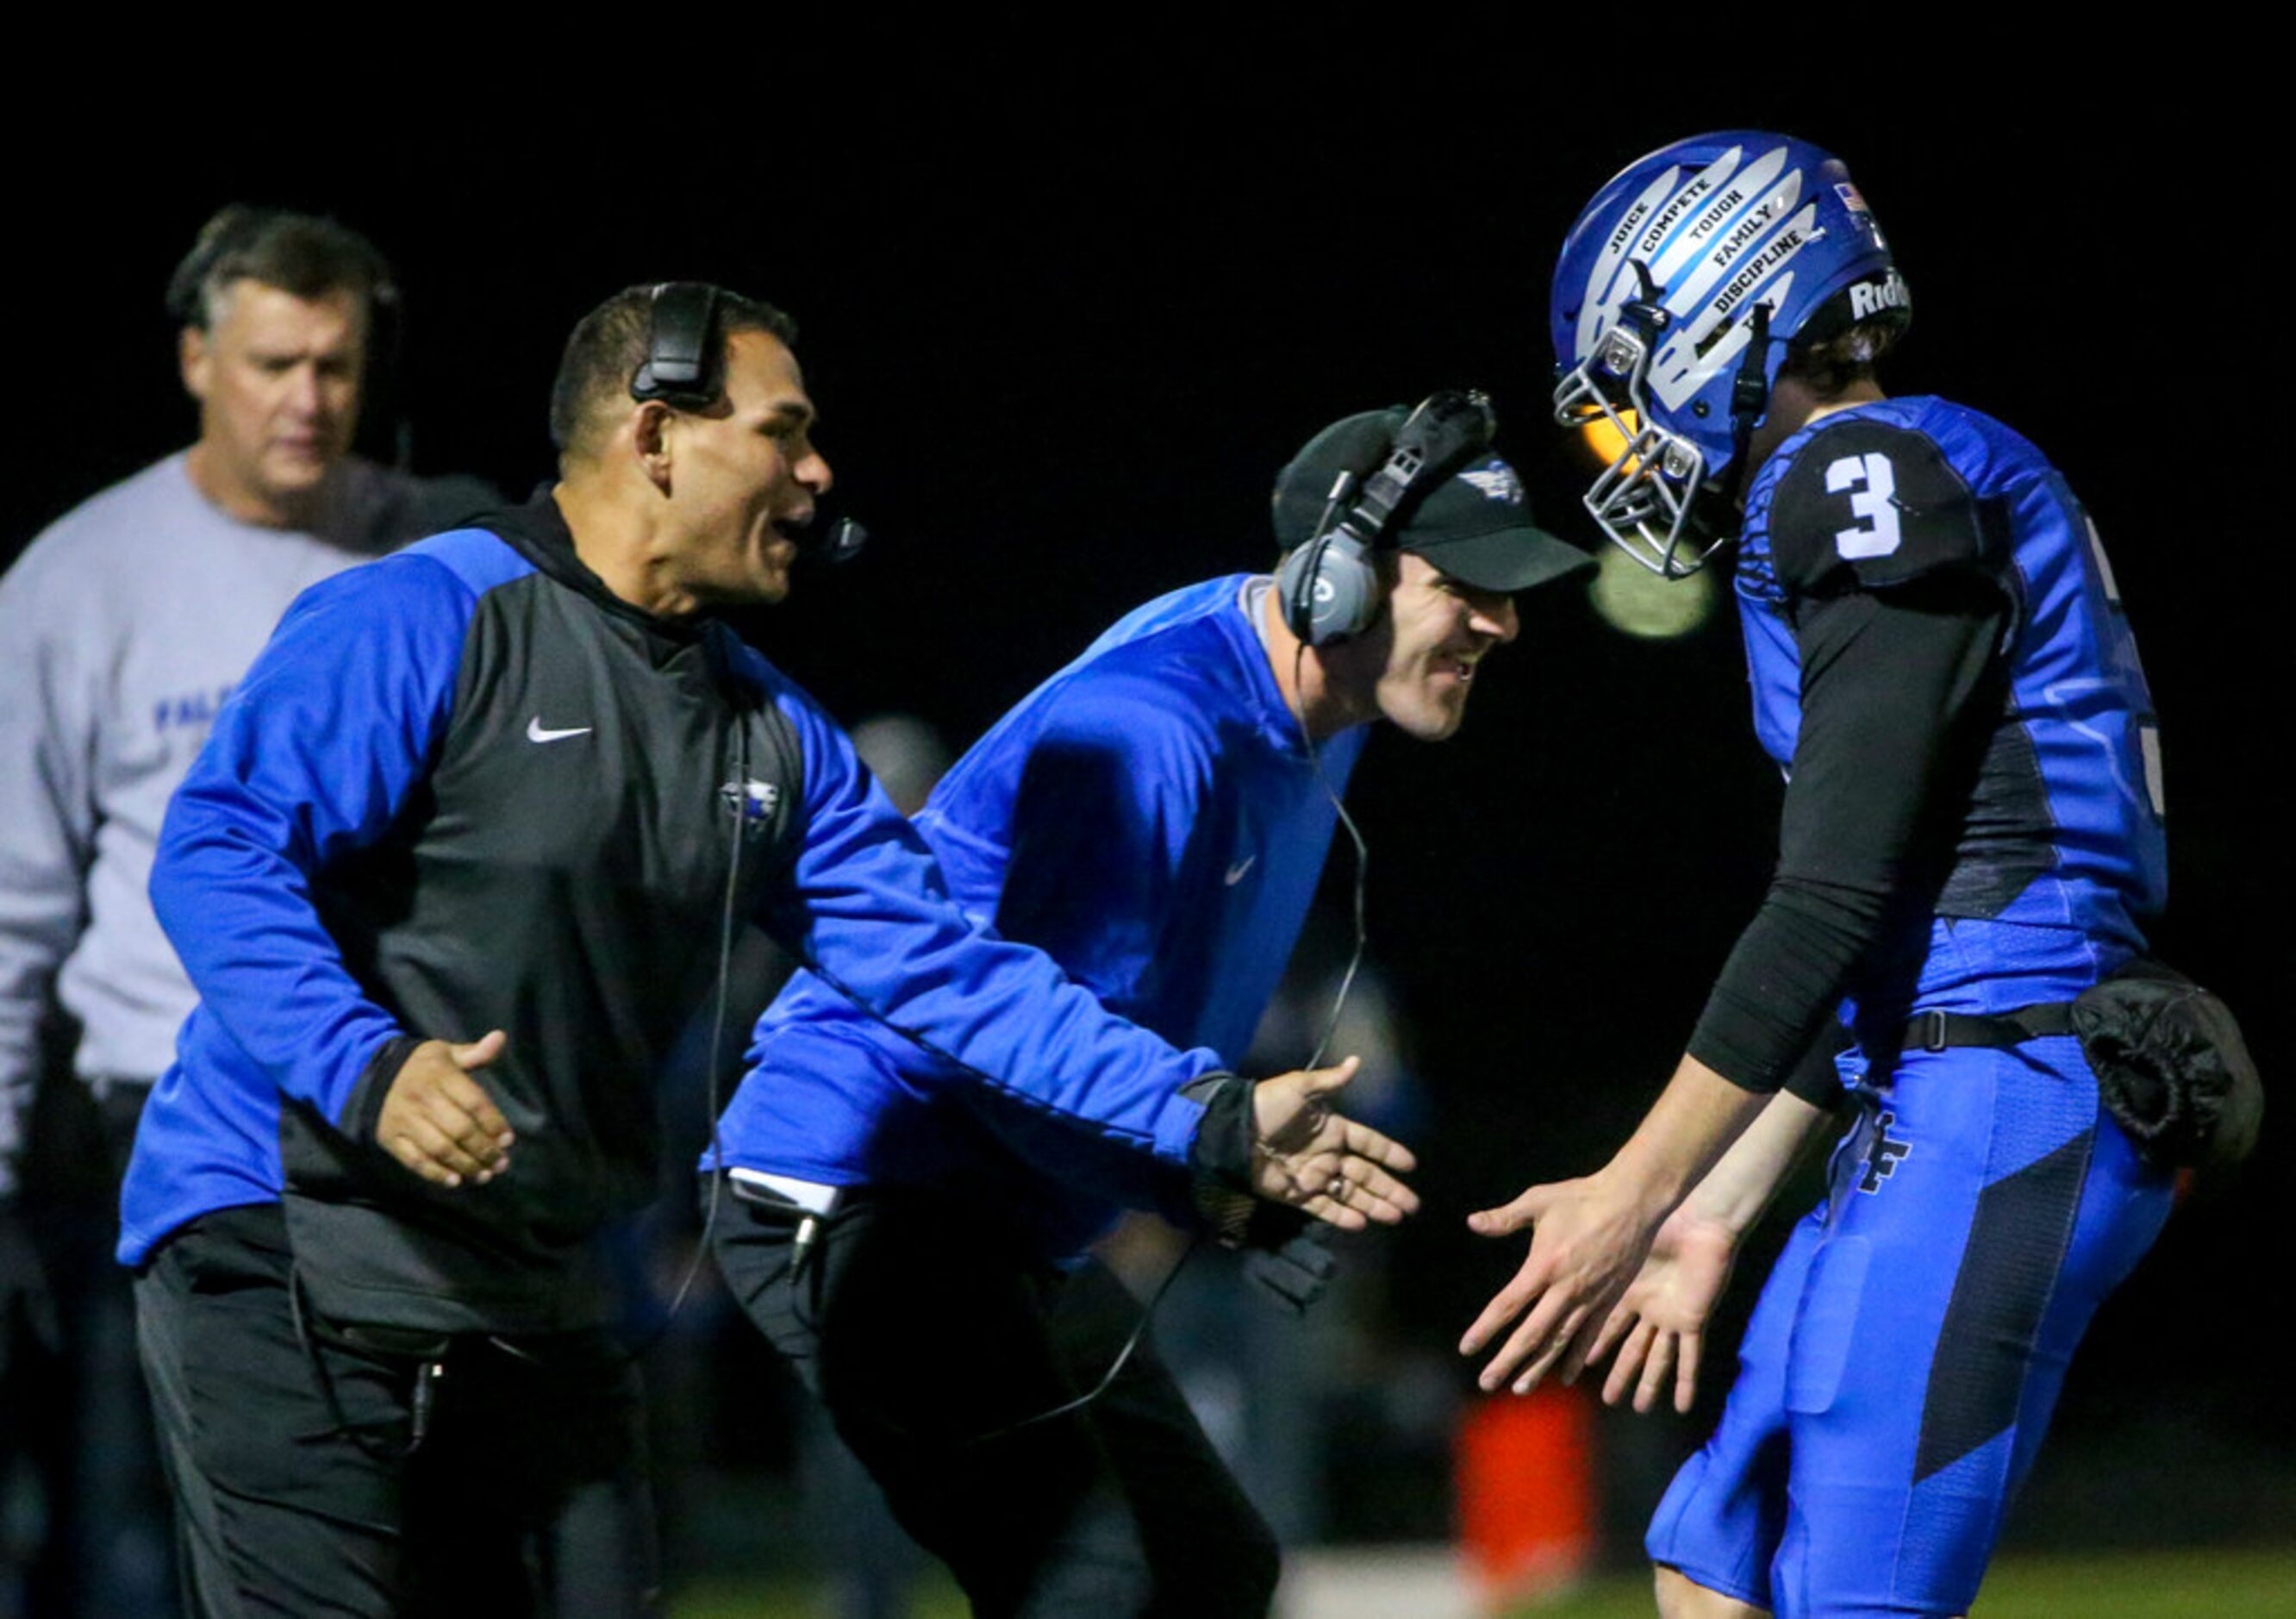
<point x="1497" y="482"/>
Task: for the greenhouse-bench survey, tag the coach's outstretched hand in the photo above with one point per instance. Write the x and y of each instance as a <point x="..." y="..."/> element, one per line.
<point x="438" y="1122"/>
<point x="1320" y="1162"/>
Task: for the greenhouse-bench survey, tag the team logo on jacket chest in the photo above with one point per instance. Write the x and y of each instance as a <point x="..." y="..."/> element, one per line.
<point x="753" y="800"/>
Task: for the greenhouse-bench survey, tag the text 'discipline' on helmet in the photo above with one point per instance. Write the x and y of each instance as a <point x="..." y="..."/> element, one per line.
<point x="1675" y="302"/>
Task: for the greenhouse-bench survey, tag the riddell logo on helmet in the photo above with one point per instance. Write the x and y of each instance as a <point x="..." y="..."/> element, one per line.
<point x="1871" y="297"/>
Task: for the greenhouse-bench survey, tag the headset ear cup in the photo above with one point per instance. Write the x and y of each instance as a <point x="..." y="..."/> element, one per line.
<point x="1329" y="588"/>
<point x="685" y="361"/>
<point x="1289" y="602"/>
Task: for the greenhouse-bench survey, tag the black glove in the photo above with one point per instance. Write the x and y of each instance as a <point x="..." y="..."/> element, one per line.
<point x="1287" y="1258"/>
<point x="1219" y="1160"/>
<point x="26" y="1310"/>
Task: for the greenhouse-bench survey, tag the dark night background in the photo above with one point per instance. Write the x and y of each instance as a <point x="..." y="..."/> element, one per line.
<point x="1062" y="338"/>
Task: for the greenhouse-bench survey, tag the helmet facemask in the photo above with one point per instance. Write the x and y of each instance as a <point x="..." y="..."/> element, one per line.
<point x="1645" y="499"/>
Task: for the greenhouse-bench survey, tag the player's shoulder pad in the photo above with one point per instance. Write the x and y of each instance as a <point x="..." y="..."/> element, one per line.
<point x="1867" y="504"/>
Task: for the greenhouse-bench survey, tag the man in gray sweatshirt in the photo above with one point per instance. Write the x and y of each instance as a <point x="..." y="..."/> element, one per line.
<point x="123" y="627"/>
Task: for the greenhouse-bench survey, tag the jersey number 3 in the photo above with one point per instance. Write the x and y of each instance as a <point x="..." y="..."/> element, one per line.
<point x="1871" y="482"/>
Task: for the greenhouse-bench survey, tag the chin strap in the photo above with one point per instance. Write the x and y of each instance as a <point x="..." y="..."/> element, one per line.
<point x="1749" y="395"/>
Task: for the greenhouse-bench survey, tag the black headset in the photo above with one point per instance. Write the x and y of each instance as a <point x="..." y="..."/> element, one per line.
<point x="684" y="367"/>
<point x="684" y="364"/>
<point x="1327" y="587"/>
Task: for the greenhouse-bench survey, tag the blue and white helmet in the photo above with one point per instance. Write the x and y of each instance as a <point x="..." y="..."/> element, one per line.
<point x="1676" y="299"/>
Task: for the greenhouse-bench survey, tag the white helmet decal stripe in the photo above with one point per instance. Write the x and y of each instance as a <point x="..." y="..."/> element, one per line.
<point x="1728" y="207"/>
<point x="1653" y="236"/>
<point x="1674" y="386"/>
<point x="1752" y="226"/>
<point x="1748" y="279"/>
<point x="1606" y="288"/>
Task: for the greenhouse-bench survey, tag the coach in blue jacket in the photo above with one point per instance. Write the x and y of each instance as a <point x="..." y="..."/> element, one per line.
<point x="1155" y="817"/>
<point x="461" y="858"/>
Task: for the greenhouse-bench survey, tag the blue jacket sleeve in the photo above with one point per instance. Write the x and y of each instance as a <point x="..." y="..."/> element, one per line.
<point x="1104" y="832"/>
<point x="865" y="908"/>
<point x="313" y="755"/>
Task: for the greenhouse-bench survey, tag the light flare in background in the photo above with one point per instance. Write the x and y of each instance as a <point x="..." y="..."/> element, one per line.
<point x="1633" y="601"/>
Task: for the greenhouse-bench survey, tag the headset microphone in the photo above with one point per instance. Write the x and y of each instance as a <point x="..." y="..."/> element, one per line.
<point x="835" y="543"/>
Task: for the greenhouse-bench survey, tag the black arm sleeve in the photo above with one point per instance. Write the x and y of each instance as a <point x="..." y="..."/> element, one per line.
<point x="1813" y="1078"/>
<point x="1891" y="681"/>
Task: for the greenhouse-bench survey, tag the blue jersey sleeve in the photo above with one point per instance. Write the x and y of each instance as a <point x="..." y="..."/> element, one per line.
<point x="865" y="908"/>
<point x="314" y="755"/>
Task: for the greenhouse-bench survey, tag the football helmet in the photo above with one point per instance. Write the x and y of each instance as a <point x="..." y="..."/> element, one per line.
<point x="1677" y="298"/>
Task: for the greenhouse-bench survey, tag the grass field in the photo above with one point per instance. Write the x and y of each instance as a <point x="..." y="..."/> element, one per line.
<point x="2135" y="1585"/>
<point x="2218" y="1584"/>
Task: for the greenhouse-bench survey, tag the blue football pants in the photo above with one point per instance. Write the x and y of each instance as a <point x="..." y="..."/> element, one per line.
<point x="1902" y="1364"/>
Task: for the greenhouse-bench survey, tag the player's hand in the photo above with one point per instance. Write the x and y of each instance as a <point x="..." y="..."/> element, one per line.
<point x="1588" y="1237"/>
<point x="1660" y="1324"/>
<point x="437" y="1120"/>
<point x="1321" y="1162"/>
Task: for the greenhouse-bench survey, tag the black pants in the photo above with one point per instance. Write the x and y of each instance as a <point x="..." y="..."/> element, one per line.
<point x="929" y="1333"/>
<point x="325" y="1469"/>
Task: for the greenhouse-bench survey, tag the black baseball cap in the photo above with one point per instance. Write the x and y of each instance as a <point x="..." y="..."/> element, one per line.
<point x="1475" y="525"/>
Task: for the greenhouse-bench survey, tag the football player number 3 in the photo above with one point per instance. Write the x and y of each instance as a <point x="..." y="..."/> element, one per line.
<point x="1871" y="482"/>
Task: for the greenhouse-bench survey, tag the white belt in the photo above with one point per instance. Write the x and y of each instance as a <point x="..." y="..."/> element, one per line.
<point x="814" y="1196"/>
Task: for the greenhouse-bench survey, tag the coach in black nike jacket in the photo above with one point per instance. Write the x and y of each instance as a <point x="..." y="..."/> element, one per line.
<point x="455" y="865"/>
